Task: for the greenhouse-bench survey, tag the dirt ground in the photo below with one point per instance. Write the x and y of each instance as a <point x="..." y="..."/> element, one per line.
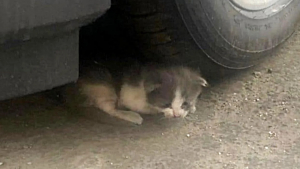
<point x="250" y="121"/>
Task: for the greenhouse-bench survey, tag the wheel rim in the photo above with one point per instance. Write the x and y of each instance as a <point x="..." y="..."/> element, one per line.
<point x="259" y="9"/>
<point x="253" y="5"/>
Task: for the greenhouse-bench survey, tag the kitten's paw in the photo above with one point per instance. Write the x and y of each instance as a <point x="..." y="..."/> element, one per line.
<point x="132" y="117"/>
<point x="168" y="113"/>
<point x="193" y="109"/>
<point x="181" y="113"/>
<point x="185" y="113"/>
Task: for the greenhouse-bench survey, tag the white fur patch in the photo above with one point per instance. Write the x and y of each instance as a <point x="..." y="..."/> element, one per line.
<point x="176" y="104"/>
<point x="133" y="97"/>
<point x="99" y="95"/>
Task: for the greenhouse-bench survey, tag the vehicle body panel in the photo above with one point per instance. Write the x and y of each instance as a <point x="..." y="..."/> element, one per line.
<point x="39" y="42"/>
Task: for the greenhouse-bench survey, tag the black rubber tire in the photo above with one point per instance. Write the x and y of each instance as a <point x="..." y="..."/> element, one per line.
<point x="190" y="31"/>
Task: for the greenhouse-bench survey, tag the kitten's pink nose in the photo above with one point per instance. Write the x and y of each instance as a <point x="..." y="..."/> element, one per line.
<point x="176" y="114"/>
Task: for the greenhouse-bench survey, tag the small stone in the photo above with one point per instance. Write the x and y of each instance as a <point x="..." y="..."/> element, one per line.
<point x="257" y="74"/>
<point x="29" y="163"/>
<point x="26" y="147"/>
<point x="266" y="148"/>
<point x="162" y="134"/>
<point x="1" y="163"/>
<point x="270" y="70"/>
<point x="111" y="163"/>
<point x="272" y="134"/>
<point x="188" y="135"/>
<point x="220" y="153"/>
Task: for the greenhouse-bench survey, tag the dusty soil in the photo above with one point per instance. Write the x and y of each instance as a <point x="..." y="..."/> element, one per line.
<point x="249" y="121"/>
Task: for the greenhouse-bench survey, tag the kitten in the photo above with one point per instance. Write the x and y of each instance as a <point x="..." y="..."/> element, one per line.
<point x="149" y="89"/>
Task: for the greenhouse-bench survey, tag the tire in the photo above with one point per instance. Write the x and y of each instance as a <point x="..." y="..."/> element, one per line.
<point x="207" y="32"/>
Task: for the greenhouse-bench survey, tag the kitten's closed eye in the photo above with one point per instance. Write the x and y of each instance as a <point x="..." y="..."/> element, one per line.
<point x="185" y="106"/>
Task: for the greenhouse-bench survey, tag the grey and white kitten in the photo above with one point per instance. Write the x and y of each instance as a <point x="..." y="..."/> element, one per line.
<point x="150" y="89"/>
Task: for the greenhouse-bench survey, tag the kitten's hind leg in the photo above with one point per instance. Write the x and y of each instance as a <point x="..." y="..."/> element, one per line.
<point x="128" y="116"/>
<point x="104" y="98"/>
<point x="110" y="108"/>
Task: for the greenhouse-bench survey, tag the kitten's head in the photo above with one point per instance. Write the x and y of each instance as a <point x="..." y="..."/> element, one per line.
<point x="174" y="90"/>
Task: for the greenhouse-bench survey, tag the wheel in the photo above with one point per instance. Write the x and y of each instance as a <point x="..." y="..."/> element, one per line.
<point x="233" y="34"/>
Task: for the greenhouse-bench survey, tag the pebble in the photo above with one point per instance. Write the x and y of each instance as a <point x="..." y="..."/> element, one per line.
<point x="188" y="135"/>
<point x="272" y="134"/>
<point x="26" y="147"/>
<point x="1" y="163"/>
<point x="29" y="163"/>
<point x="270" y="70"/>
<point x="257" y="74"/>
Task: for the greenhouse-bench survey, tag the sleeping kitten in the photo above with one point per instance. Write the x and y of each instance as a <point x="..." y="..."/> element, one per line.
<point x="150" y="89"/>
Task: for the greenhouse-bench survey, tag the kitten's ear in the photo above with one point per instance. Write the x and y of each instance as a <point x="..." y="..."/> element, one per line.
<point x="202" y="82"/>
<point x="152" y="81"/>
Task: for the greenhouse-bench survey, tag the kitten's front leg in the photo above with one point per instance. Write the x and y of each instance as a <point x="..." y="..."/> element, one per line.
<point x="149" y="109"/>
<point x="168" y="112"/>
